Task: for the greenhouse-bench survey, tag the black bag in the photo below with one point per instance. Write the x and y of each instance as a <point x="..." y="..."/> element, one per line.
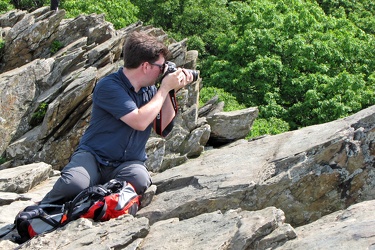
<point x="100" y="203"/>
<point x="37" y="219"/>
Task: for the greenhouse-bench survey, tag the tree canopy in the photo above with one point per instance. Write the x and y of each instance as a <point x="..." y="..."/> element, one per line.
<point x="294" y="62"/>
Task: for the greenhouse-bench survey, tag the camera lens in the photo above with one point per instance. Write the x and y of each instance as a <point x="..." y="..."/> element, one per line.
<point x="172" y="68"/>
<point x="194" y="73"/>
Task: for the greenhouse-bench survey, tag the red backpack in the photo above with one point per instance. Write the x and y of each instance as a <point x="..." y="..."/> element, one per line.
<point x="116" y="199"/>
<point x="100" y="203"/>
<point x="103" y="202"/>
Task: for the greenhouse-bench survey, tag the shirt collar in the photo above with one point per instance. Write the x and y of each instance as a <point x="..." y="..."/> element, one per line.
<point x="127" y="83"/>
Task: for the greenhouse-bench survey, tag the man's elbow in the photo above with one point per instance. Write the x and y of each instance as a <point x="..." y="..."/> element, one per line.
<point x="141" y="128"/>
<point x="134" y="124"/>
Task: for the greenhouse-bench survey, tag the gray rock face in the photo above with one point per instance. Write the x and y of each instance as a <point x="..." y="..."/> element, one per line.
<point x="307" y="189"/>
<point x="298" y="190"/>
<point x="231" y="126"/>
<point x="345" y="229"/>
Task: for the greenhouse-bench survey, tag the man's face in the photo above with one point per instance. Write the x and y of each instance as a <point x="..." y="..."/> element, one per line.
<point x="156" y="69"/>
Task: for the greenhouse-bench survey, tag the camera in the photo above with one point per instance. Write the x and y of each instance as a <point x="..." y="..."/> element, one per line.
<point x="172" y="68"/>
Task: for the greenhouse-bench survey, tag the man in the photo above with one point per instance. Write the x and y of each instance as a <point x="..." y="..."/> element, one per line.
<point x="125" y="104"/>
<point x="55" y="5"/>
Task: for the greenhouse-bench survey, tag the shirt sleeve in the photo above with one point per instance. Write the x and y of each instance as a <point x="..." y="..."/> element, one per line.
<point x="113" y="98"/>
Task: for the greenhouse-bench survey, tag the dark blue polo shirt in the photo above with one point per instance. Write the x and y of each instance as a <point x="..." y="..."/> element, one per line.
<point x="107" y="137"/>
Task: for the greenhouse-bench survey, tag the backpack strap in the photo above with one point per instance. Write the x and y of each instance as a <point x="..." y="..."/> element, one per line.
<point x="124" y="201"/>
<point x="103" y="210"/>
<point x="8" y="231"/>
<point x="84" y="199"/>
<point x="44" y="217"/>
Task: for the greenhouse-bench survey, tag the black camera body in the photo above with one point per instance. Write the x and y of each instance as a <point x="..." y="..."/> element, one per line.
<point x="172" y="68"/>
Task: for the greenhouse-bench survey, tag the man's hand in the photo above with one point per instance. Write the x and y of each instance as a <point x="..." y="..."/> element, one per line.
<point x="177" y="80"/>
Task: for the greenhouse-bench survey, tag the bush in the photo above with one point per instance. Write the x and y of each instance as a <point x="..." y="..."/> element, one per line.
<point x="2" y="160"/>
<point x="55" y="46"/>
<point x="38" y="116"/>
<point x="207" y="93"/>
<point x="271" y="126"/>
<point x="119" y="13"/>
<point x="5" y="6"/>
<point x="28" y="4"/>
<point x="2" y="43"/>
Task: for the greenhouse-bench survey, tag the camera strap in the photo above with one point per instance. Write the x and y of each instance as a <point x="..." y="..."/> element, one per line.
<point x="163" y="122"/>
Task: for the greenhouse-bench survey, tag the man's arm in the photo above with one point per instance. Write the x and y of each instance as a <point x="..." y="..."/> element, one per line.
<point x="140" y="119"/>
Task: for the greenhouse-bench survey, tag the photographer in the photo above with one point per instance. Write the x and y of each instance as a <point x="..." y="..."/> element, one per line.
<point x="55" y="5"/>
<point x="125" y="104"/>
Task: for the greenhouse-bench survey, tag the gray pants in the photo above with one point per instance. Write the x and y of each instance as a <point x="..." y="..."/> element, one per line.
<point x="84" y="171"/>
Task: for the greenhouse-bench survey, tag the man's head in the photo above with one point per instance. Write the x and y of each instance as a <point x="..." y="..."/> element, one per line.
<point x="141" y="47"/>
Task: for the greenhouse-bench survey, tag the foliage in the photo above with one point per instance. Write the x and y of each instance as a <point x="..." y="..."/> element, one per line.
<point x="2" y="160"/>
<point x="230" y="101"/>
<point x="119" y="13"/>
<point x="199" y="20"/>
<point x="5" y="6"/>
<point x="2" y="48"/>
<point x="28" y="4"/>
<point x="361" y="13"/>
<point x="294" y="61"/>
<point x="271" y="126"/>
<point x="2" y="43"/>
<point x="56" y="46"/>
<point x="303" y="62"/>
<point x="39" y="114"/>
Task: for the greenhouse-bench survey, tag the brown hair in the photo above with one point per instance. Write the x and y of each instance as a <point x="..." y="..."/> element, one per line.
<point x="141" y="47"/>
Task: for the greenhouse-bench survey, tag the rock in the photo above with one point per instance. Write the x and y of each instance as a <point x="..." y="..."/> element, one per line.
<point x="232" y="230"/>
<point x="227" y="127"/>
<point x="7" y="198"/>
<point x="85" y="234"/>
<point x="193" y="146"/>
<point x="40" y="27"/>
<point x="22" y="179"/>
<point x="155" y="149"/>
<point x="228" y="197"/>
<point x="345" y="229"/>
<point x="18" y="89"/>
<point x="290" y="171"/>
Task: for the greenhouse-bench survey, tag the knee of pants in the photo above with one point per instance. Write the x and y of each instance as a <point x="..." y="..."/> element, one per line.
<point x="74" y="182"/>
<point x="141" y="184"/>
<point x="140" y="180"/>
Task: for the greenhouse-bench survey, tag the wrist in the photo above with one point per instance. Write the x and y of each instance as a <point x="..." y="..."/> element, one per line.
<point x="163" y="90"/>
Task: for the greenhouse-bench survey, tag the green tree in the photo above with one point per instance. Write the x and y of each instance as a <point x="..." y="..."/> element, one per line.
<point x="199" y="20"/>
<point x="28" y="4"/>
<point x="271" y="126"/>
<point x="5" y="6"/>
<point x="119" y="13"/>
<point x="294" y="61"/>
<point x="361" y="13"/>
<point x="229" y="100"/>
